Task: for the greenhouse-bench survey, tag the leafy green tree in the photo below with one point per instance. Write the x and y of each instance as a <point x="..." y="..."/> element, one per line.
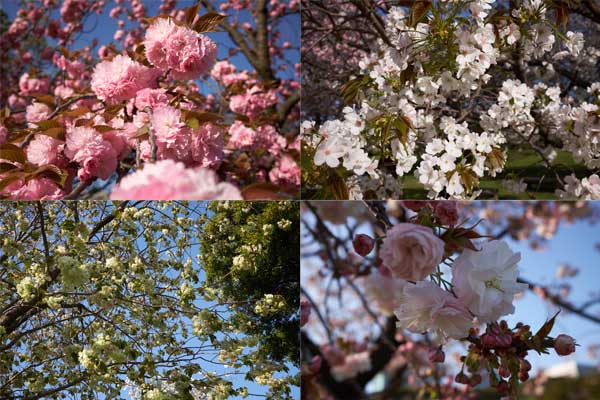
<point x="261" y="276"/>
<point x="99" y="297"/>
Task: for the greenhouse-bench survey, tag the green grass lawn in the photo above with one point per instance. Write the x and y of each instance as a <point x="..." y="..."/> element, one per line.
<point x="527" y="165"/>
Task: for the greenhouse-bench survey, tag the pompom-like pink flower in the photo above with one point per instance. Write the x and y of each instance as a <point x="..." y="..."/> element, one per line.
<point x="411" y="251"/>
<point x="166" y="122"/>
<point x="270" y="139"/>
<point x="95" y="155"/>
<point x="152" y="98"/>
<point x="32" y="85"/>
<point x="168" y="180"/>
<point x="34" y="189"/>
<point x="179" y="49"/>
<point x="207" y="145"/>
<point x="37" y="112"/>
<point x="242" y="137"/>
<point x="564" y="345"/>
<point x="285" y="173"/>
<point x="254" y="102"/>
<point x="120" y="79"/>
<point x="44" y="150"/>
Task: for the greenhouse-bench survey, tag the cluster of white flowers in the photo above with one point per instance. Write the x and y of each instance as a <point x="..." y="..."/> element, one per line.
<point x="585" y="189"/>
<point x="284" y="224"/>
<point x="270" y="304"/>
<point x="404" y="106"/>
<point x="72" y="273"/>
<point x="26" y="288"/>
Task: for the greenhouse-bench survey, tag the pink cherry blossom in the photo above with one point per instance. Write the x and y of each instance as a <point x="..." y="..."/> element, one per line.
<point x="29" y="85"/>
<point x="179" y="49"/>
<point x="36" y="112"/>
<point x="43" y="150"/>
<point x="152" y="98"/>
<point x="33" y="189"/>
<point x="95" y="155"/>
<point x="167" y="180"/>
<point x="121" y="78"/>
<point x="411" y="251"/>
<point x="286" y="172"/>
<point x="207" y="145"/>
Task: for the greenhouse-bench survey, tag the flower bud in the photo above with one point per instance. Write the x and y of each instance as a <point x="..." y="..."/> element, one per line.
<point x="488" y="340"/>
<point x="503" y="371"/>
<point x="461" y="377"/>
<point x="564" y="345"/>
<point x="525" y="365"/>
<point x="523" y="376"/>
<point x="475" y="380"/>
<point x="502" y="387"/>
<point x="315" y="365"/>
<point x="363" y="244"/>
<point x="436" y="355"/>
<point x="304" y="312"/>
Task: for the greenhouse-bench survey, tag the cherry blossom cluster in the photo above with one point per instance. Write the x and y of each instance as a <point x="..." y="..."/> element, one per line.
<point x="426" y="103"/>
<point x="429" y="274"/>
<point x="136" y="121"/>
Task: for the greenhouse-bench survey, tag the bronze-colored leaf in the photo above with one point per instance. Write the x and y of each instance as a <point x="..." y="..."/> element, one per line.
<point x="56" y="133"/>
<point x="5" y="167"/>
<point x="104" y="128"/>
<point x="142" y="132"/>
<point x="191" y="12"/>
<point x="45" y="98"/>
<point x="201" y="116"/>
<point x="52" y="172"/>
<point x="76" y="112"/>
<point x="546" y="328"/>
<point x="263" y="191"/>
<point x="10" y="178"/>
<point x="207" y="22"/>
<point x="12" y="153"/>
<point x="47" y="124"/>
<point x="419" y="9"/>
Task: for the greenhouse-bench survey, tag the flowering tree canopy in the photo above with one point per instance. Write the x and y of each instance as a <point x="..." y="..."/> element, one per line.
<point x="451" y="99"/>
<point x="387" y="290"/>
<point x="163" y="99"/>
<point x="99" y="299"/>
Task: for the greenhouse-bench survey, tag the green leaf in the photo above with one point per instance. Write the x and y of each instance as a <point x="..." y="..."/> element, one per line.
<point x="193" y="123"/>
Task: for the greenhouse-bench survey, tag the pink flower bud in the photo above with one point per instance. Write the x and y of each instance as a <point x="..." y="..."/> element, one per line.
<point x="363" y="244"/>
<point x="315" y="365"/>
<point x="525" y="365"/>
<point x="436" y="355"/>
<point x="503" y="371"/>
<point x="304" y="312"/>
<point x="564" y="345"/>
<point x="461" y="377"/>
<point x="502" y="387"/>
<point x="446" y="212"/>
